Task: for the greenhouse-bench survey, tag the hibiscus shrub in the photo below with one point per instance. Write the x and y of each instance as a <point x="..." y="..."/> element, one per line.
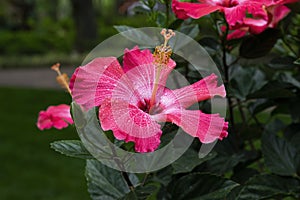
<point x="256" y="46"/>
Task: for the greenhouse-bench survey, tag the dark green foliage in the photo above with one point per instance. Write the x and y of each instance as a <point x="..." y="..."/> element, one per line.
<point x="255" y="46"/>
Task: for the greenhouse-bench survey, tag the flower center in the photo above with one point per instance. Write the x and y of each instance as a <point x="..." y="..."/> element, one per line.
<point x="228" y="3"/>
<point x="145" y="107"/>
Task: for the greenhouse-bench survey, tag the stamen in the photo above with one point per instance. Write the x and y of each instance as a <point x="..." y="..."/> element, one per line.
<point x="62" y="79"/>
<point x="161" y="56"/>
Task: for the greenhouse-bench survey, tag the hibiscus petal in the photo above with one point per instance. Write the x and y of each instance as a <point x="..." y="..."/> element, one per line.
<point x="141" y="71"/>
<point x="44" y="121"/>
<point x="92" y="83"/>
<point x="206" y="127"/>
<point x="204" y="89"/>
<point x="277" y="14"/>
<point x="59" y="123"/>
<point x="129" y="123"/>
<point x="184" y="10"/>
<point x="61" y="111"/>
<point x="135" y="57"/>
<point x="236" y="34"/>
<point x="235" y="15"/>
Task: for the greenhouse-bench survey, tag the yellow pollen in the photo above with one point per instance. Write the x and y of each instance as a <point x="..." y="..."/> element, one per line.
<point x="62" y="79"/>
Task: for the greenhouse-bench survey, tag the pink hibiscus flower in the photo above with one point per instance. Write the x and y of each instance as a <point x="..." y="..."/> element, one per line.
<point x="55" y="116"/>
<point x="242" y="16"/>
<point x="134" y="101"/>
<point x="234" y="10"/>
<point x="276" y="12"/>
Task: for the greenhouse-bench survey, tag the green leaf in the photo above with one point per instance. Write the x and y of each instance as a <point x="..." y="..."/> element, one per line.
<point x="280" y="156"/>
<point x="161" y="19"/>
<point x="288" y="78"/>
<point x="242" y="174"/>
<point x="189" y="160"/>
<point x="294" y="108"/>
<point x="209" y="42"/>
<point x="271" y="90"/>
<point x="249" y="132"/>
<point x="260" y="105"/>
<point x="162" y="176"/>
<point x="292" y="132"/>
<point x="176" y="24"/>
<point x="297" y="62"/>
<point x="137" y="36"/>
<point x="142" y="193"/>
<point x="286" y="62"/>
<point x="255" y="46"/>
<point x="190" y="30"/>
<point x="245" y="81"/>
<point x="106" y="183"/>
<point x="265" y="186"/>
<point x="225" y="163"/>
<point x="201" y="186"/>
<point x="73" y="148"/>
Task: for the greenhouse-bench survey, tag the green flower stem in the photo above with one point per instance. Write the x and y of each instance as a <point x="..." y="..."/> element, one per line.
<point x="167" y="4"/>
<point x="226" y="73"/>
<point x="127" y="180"/>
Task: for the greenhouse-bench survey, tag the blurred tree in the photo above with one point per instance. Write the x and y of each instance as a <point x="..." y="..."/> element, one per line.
<point x="52" y="9"/>
<point x="85" y="24"/>
<point x="21" y="11"/>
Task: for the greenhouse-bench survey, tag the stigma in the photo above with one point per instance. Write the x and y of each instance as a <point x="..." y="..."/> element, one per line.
<point x="62" y="78"/>
<point x="163" y="52"/>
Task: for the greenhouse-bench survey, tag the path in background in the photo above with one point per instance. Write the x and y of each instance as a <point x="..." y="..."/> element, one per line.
<point x="32" y="78"/>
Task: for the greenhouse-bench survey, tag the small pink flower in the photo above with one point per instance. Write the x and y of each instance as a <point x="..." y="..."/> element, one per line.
<point x="55" y="116"/>
<point x="125" y="97"/>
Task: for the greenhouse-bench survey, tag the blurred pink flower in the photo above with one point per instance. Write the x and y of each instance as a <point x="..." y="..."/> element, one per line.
<point x="124" y="96"/>
<point x="235" y="11"/>
<point x="243" y="16"/>
<point x="55" y="116"/>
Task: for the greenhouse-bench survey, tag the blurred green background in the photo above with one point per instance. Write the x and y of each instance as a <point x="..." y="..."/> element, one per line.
<point x="36" y="34"/>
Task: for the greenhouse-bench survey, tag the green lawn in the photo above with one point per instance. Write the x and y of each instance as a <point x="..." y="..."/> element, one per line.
<point x="29" y="169"/>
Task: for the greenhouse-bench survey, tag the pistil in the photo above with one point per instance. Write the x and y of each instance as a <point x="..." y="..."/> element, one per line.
<point x="161" y="56"/>
<point x="62" y="79"/>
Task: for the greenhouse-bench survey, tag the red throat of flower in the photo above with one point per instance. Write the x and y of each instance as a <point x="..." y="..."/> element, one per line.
<point x="161" y="57"/>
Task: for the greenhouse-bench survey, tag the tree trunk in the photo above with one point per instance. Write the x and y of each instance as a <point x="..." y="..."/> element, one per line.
<point x="86" y="26"/>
